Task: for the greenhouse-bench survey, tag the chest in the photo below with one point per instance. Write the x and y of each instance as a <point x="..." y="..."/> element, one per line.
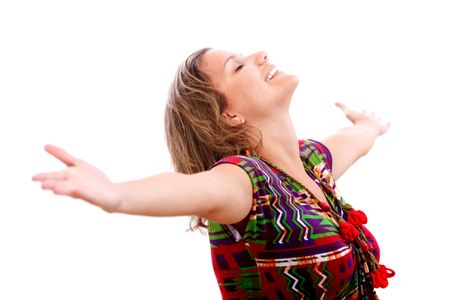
<point x="313" y="179"/>
<point x="313" y="186"/>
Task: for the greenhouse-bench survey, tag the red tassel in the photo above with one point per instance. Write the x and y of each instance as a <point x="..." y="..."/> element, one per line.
<point x="357" y="218"/>
<point x="365" y="246"/>
<point x="348" y="231"/>
<point x="380" y="276"/>
<point x="324" y="206"/>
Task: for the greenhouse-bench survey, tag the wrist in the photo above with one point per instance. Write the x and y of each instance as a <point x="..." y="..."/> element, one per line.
<point x="368" y="127"/>
<point x="114" y="199"/>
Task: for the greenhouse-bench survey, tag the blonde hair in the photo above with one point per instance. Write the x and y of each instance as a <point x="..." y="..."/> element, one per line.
<point x="196" y="133"/>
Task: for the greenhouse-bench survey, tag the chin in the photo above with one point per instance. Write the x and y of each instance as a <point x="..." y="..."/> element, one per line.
<point x="292" y="82"/>
<point x="288" y="86"/>
<point x="295" y="79"/>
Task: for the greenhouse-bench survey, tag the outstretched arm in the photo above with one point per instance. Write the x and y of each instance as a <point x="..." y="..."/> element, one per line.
<point x="223" y="194"/>
<point x="351" y="143"/>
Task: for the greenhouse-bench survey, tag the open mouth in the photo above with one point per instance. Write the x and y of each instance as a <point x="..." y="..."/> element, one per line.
<point x="271" y="74"/>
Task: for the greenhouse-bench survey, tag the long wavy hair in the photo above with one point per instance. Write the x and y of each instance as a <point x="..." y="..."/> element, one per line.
<point x="195" y="130"/>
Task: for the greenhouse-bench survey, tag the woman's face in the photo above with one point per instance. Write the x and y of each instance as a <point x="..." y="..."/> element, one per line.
<point x="254" y="88"/>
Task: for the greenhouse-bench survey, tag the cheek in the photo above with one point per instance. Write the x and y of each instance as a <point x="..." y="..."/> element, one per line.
<point x="247" y="96"/>
<point x="245" y="92"/>
<point x="250" y="88"/>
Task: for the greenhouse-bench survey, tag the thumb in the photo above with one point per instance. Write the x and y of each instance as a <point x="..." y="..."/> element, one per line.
<point x="60" y="154"/>
<point x="343" y="107"/>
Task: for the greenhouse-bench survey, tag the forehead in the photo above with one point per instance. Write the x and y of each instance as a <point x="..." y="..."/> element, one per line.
<point x="213" y="60"/>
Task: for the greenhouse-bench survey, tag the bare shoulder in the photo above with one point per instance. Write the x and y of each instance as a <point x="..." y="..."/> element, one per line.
<point x="231" y="172"/>
<point x="231" y="189"/>
<point x="234" y="178"/>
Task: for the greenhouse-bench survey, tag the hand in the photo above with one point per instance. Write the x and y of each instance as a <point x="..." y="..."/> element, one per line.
<point x="79" y="180"/>
<point x="368" y="119"/>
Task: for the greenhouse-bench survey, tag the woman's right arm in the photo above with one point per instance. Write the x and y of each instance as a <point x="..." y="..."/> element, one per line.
<point x="222" y="194"/>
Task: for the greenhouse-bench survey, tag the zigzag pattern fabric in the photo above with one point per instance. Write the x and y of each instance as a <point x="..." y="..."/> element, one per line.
<point x="289" y="246"/>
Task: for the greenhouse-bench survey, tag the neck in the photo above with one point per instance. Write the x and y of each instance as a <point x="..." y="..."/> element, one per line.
<point x="280" y="142"/>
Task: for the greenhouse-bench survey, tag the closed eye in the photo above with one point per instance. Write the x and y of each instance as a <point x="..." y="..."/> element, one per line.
<point x="239" y="68"/>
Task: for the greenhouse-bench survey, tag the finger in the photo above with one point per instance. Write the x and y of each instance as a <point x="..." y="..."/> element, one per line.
<point x="49" y="184"/>
<point x="60" y="154"/>
<point x="58" y="187"/>
<point x="50" y="175"/>
<point x="342" y="106"/>
<point x="64" y="189"/>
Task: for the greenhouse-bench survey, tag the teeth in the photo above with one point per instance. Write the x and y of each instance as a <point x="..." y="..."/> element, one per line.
<point x="271" y="73"/>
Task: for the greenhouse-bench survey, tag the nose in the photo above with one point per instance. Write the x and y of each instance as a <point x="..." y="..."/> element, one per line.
<point x="261" y="58"/>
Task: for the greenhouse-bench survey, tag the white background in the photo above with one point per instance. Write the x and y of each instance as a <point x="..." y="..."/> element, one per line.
<point x="92" y="77"/>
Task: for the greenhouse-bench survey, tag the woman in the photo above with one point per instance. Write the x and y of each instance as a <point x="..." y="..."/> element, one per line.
<point x="286" y="233"/>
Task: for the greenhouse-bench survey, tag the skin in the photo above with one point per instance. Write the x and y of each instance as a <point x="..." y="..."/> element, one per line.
<point x="252" y="100"/>
<point x="250" y="96"/>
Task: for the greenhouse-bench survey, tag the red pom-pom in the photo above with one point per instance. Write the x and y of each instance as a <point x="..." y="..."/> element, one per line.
<point x="380" y="276"/>
<point x="348" y="231"/>
<point x="357" y="217"/>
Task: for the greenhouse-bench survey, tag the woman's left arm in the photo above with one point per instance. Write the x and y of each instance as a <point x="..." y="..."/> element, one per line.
<point x="350" y="143"/>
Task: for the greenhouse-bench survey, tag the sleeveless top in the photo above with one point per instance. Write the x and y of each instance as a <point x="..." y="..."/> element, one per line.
<point x="291" y="245"/>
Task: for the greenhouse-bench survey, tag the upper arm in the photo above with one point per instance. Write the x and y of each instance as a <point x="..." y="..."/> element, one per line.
<point x="229" y="191"/>
<point x="346" y="147"/>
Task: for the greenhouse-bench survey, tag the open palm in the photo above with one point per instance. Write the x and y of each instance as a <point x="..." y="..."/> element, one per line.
<point x="79" y="180"/>
<point x="362" y="116"/>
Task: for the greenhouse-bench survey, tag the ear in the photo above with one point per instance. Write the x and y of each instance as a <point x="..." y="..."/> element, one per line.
<point x="233" y="119"/>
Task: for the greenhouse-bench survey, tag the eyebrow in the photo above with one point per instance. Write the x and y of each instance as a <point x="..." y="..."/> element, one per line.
<point x="228" y="59"/>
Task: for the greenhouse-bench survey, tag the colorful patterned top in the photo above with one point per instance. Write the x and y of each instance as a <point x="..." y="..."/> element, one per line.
<point x="291" y="245"/>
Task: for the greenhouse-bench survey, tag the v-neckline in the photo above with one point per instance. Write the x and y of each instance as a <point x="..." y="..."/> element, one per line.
<point x="312" y="195"/>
